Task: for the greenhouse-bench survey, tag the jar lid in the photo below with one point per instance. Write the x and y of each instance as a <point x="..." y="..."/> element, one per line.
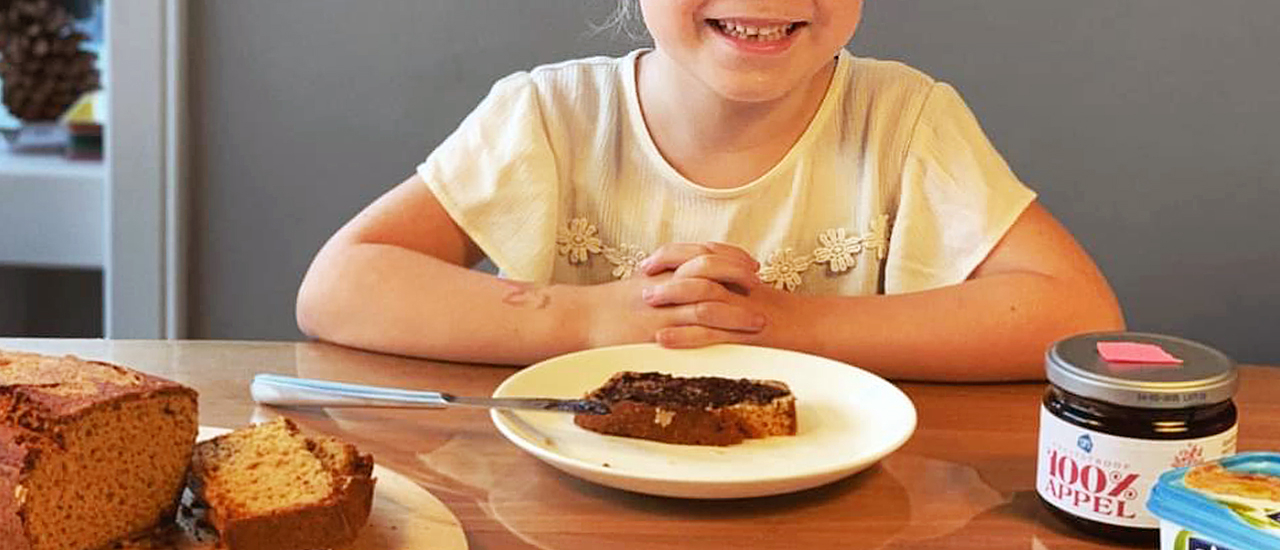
<point x="1206" y="376"/>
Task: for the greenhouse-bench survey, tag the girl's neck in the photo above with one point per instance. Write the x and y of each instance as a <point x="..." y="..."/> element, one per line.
<point x="712" y="140"/>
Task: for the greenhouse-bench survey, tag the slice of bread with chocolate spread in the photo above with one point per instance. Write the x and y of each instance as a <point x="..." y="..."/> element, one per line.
<point x="703" y="410"/>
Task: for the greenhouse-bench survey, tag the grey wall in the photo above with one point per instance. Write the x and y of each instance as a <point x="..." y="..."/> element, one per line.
<point x="303" y="111"/>
<point x="1148" y="127"/>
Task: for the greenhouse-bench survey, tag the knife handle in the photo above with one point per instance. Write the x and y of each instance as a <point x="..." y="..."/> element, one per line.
<point x="289" y="391"/>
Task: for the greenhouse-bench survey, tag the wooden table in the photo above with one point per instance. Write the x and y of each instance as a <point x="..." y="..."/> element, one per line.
<point x="964" y="480"/>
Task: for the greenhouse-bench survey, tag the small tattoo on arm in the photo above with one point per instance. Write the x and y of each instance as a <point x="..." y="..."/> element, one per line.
<point x="525" y="294"/>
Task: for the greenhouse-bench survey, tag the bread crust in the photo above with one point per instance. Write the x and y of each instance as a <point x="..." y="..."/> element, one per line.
<point x="333" y="521"/>
<point x="41" y="398"/>
<point x="15" y="462"/>
<point x="692" y="410"/>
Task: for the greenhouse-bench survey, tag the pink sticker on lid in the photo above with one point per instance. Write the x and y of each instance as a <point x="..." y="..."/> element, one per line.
<point x="1136" y="352"/>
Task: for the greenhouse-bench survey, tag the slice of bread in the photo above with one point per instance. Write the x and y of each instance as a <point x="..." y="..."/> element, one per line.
<point x="704" y="410"/>
<point x="90" y="452"/>
<point x="268" y="487"/>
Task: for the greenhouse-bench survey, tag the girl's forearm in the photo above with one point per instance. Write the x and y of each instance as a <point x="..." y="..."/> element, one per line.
<point x="993" y="328"/>
<point x="394" y="300"/>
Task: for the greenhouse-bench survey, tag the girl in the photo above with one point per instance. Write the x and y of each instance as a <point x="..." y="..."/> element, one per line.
<point x="745" y="180"/>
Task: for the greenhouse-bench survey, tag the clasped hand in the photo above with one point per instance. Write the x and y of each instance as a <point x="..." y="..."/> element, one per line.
<point x="689" y="295"/>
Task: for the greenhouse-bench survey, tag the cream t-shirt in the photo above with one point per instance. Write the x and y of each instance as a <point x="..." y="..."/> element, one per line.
<point x="892" y="188"/>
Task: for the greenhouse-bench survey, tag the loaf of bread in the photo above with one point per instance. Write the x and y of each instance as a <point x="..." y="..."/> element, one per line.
<point x="269" y="487"/>
<point x="704" y="410"/>
<point x="90" y="452"/>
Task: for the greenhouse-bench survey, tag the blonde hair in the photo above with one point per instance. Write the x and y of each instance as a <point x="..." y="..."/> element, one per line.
<point x="624" y="22"/>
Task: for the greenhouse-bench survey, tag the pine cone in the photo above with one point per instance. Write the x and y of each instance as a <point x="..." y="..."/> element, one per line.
<point x="41" y="63"/>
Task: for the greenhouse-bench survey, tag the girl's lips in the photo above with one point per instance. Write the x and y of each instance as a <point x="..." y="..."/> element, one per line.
<point x="757" y="36"/>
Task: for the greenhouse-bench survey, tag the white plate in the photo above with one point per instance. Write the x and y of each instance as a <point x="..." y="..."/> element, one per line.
<point x="848" y="419"/>
<point x="405" y="516"/>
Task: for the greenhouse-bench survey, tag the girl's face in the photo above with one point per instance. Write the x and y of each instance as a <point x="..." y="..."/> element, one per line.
<point x="751" y="50"/>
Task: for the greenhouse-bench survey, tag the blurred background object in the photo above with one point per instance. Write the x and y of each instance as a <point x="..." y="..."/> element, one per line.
<point x="43" y="62"/>
<point x="52" y="180"/>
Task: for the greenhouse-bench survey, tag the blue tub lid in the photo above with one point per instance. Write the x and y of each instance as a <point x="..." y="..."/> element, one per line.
<point x="1233" y="500"/>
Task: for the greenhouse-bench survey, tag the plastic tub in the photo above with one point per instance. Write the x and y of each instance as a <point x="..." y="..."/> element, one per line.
<point x="1232" y="503"/>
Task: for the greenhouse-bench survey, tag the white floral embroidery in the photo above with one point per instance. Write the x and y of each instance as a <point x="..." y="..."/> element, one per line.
<point x="877" y="237"/>
<point x="626" y="258"/>
<point x="839" y="251"/>
<point x="577" y="239"/>
<point x="783" y="269"/>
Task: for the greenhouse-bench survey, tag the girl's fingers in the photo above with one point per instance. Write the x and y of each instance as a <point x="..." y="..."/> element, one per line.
<point x="684" y="291"/>
<point x="715" y="315"/>
<point x="674" y="255"/>
<point x="698" y="336"/>
<point x="721" y="269"/>
<point x="670" y="256"/>
<point x="725" y="249"/>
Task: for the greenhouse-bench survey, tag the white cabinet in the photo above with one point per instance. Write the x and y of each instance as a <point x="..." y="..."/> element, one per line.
<point x="52" y="245"/>
<point x="51" y="211"/>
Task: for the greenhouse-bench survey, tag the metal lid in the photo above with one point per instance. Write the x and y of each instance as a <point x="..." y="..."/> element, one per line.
<point x="1205" y="376"/>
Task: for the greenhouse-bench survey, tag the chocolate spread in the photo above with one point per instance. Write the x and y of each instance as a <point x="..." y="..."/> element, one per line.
<point x="654" y="388"/>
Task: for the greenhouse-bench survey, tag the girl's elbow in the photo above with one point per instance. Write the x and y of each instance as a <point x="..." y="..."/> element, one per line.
<point x="312" y="311"/>
<point x="1113" y="321"/>
<point x="319" y="302"/>
<point x="1101" y="314"/>
<point x="306" y="316"/>
<point x="1108" y="315"/>
<point x="306" y="321"/>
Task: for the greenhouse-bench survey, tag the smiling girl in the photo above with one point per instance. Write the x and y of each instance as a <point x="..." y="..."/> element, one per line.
<point x="745" y="180"/>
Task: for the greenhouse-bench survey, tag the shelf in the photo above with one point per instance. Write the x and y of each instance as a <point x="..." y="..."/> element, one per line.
<point x="51" y="210"/>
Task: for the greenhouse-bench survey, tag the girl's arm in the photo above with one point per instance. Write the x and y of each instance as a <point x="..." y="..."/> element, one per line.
<point x="1035" y="287"/>
<point x="394" y="279"/>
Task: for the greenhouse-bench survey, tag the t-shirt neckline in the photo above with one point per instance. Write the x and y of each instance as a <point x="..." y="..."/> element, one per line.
<point x="640" y="127"/>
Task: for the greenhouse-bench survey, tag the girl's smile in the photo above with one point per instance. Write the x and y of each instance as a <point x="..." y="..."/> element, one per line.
<point x="757" y="36"/>
<point x="749" y="50"/>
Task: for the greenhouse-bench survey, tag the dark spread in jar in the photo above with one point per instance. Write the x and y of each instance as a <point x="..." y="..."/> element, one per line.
<point x="1108" y="430"/>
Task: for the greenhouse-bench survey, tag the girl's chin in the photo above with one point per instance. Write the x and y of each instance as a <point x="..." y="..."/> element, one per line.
<point x="743" y="90"/>
<point x="757" y="82"/>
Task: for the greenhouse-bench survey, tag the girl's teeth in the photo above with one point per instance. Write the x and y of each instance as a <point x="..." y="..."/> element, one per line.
<point x="774" y="32"/>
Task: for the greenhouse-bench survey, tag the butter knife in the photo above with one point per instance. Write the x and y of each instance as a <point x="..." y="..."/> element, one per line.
<point x="289" y="391"/>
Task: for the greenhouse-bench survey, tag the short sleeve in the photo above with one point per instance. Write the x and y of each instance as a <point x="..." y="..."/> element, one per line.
<point x="958" y="197"/>
<point x="496" y="177"/>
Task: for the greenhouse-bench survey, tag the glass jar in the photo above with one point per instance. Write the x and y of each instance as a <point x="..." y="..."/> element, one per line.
<point x="1107" y="430"/>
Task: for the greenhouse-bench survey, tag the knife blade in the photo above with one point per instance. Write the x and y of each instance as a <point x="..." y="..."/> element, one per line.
<point x="289" y="391"/>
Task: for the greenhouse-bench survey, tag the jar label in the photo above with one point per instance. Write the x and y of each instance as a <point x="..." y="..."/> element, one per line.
<point x="1106" y="478"/>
